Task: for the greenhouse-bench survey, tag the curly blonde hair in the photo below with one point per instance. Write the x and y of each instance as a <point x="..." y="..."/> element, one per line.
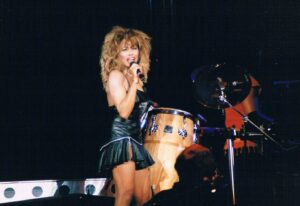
<point x="110" y="50"/>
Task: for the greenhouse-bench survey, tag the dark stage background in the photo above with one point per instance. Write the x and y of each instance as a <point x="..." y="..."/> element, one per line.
<point x="53" y="107"/>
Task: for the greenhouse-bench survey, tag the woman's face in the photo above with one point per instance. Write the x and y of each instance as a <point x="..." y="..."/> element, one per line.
<point x="128" y="53"/>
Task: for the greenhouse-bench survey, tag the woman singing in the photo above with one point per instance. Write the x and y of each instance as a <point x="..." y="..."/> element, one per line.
<point x="125" y="61"/>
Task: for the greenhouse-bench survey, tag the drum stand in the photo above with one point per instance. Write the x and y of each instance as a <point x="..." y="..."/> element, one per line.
<point x="229" y="140"/>
<point x="230" y="153"/>
<point x="232" y="136"/>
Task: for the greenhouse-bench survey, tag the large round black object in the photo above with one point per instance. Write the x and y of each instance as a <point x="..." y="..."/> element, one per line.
<point x="211" y="81"/>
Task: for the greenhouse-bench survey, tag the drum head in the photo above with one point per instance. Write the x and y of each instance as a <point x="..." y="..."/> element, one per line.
<point x="210" y="80"/>
<point x="166" y="110"/>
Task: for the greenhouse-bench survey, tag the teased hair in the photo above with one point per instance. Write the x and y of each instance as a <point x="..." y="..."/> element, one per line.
<point x="110" y="50"/>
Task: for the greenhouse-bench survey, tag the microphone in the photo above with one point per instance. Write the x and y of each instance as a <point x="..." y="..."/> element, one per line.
<point x="138" y="72"/>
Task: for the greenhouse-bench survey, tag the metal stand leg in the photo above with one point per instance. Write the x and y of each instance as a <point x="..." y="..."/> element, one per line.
<point x="231" y="165"/>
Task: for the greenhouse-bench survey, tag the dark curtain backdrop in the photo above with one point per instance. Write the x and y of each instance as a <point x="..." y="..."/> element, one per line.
<point x="53" y="107"/>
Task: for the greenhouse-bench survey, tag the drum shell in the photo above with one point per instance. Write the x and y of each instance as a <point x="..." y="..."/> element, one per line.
<point x="165" y="145"/>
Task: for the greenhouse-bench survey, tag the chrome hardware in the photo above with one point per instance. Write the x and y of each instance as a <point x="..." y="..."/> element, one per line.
<point x="154" y="126"/>
<point x="183" y="132"/>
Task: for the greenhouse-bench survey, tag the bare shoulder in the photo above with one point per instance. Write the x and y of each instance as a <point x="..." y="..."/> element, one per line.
<point x="116" y="74"/>
<point x="115" y="87"/>
<point x="115" y="78"/>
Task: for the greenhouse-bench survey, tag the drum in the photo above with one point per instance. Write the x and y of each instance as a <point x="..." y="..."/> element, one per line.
<point x="169" y="131"/>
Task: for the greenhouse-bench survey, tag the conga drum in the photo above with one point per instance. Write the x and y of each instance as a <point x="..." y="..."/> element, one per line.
<point x="169" y="132"/>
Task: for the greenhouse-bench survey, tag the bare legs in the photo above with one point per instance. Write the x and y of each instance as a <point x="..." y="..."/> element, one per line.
<point x="142" y="190"/>
<point x="124" y="178"/>
<point x="131" y="183"/>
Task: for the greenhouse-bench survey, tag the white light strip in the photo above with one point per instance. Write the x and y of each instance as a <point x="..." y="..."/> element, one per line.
<point x="25" y="190"/>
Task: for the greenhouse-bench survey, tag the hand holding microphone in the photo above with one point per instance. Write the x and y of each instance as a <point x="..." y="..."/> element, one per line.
<point x="138" y="71"/>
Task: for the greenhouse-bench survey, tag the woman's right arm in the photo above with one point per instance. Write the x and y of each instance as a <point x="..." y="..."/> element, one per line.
<point x="123" y="100"/>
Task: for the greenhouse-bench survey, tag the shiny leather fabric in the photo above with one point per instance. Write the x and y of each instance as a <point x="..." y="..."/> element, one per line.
<point x="126" y="132"/>
<point x="129" y="127"/>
